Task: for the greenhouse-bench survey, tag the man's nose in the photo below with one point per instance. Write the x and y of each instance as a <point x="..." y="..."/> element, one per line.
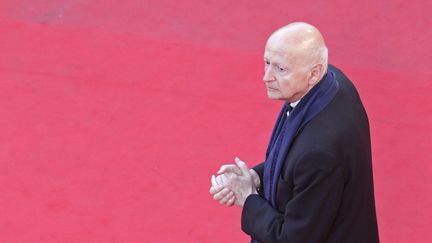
<point x="268" y="75"/>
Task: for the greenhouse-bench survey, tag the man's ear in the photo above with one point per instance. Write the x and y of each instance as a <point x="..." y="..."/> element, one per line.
<point x="316" y="74"/>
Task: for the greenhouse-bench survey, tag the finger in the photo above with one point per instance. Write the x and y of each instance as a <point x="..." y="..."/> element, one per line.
<point x="215" y="189"/>
<point x="225" y="199"/>
<point x="242" y="165"/>
<point x="213" y="181"/>
<point x="231" y="201"/>
<point x="219" y="180"/>
<point x="253" y="173"/>
<point x="223" y="179"/>
<point x="255" y="177"/>
<point x="218" y="196"/>
<point x="230" y="168"/>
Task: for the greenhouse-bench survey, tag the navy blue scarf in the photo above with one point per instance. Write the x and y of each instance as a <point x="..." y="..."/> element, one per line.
<point x="287" y="128"/>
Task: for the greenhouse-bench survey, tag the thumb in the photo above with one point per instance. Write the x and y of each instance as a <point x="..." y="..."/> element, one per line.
<point x="242" y="165"/>
<point x="255" y="177"/>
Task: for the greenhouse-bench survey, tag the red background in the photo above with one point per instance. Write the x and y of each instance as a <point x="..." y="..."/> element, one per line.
<point x="114" y="114"/>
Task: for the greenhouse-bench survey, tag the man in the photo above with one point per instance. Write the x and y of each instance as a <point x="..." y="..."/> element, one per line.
<point x="316" y="184"/>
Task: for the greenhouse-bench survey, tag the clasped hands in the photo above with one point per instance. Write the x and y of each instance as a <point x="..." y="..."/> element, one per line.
<point x="234" y="183"/>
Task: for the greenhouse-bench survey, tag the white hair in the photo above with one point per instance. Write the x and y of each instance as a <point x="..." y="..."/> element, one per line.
<point x="323" y="57"/>
<point x="318" y="55"/>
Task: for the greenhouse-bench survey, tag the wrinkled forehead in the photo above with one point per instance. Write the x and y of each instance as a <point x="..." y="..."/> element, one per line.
<point x="281" y="50"/>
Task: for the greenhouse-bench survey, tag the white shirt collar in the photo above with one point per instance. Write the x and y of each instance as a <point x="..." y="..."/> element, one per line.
<point x="293" y="105"/>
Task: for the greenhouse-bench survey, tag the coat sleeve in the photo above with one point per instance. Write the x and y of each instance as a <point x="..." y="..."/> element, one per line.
<point x="308" y="216"/>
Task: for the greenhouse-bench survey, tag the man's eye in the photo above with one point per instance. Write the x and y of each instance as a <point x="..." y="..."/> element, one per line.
<point x="282" y="69"/>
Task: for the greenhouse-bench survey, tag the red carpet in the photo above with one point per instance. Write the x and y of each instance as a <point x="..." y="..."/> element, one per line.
<point x="114" y="114"/>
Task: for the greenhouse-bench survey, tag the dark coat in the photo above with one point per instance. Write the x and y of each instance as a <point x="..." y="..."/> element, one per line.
<point x="325" y="190"/>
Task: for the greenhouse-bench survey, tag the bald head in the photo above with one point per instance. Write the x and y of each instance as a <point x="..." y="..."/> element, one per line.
<point x="295" y="59"/>
<point x="303" y="42"/>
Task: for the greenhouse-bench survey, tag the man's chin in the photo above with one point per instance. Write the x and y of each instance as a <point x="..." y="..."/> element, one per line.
<point x="272" y="96"/>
